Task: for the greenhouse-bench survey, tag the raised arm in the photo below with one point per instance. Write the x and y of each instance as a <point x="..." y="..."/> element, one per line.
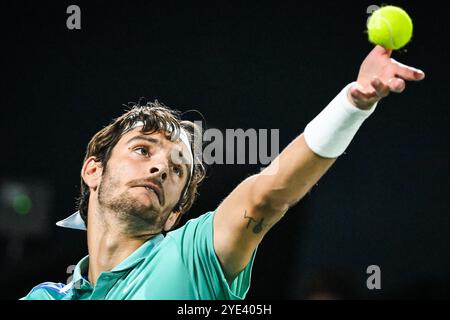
<point x="260" y="201"/>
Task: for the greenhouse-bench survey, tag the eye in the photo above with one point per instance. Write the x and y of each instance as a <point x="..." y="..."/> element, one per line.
<point x="143" y="151"/>
<point x="178" y="170"/>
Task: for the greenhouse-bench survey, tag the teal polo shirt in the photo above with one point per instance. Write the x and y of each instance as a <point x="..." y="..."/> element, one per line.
<point x="180" y="266"/>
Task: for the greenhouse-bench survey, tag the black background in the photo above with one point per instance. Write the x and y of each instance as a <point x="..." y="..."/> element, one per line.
<point x="253" y="65"/>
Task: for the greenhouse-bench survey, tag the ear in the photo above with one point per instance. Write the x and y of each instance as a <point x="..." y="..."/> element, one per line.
<point x="92" y="172"/>
<point x="170" y="222"/>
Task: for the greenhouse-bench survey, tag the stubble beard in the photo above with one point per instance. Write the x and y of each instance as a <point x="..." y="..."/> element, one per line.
<point x="128" y="210"/>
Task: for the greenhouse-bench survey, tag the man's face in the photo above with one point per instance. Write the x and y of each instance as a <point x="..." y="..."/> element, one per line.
<point x="144" y="179"/>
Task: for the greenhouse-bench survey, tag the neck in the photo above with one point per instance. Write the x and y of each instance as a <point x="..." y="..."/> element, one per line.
<point x="108" y="244"/>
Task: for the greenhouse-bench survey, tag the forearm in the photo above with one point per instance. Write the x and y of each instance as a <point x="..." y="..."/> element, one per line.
<point x="306" y="159"/>
<point x="291" y="175"/>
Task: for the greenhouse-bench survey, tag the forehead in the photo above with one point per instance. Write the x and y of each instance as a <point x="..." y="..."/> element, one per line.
<point x="160" y="136"/>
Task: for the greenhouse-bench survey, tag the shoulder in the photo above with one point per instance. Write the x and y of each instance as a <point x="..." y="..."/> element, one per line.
<point x="194" y="238"/>
<point x="46" y="291"/>
<point x="204" y="221"/>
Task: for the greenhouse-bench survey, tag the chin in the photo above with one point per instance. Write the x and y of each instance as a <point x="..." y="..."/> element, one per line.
<point x="147" y="198"/>
<point x="143" y="209"/>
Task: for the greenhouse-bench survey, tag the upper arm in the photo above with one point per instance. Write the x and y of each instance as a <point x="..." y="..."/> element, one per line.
<point x="241" y="221"/>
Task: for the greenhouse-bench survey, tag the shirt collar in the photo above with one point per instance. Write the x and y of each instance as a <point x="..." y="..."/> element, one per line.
<point x="80" y="269"/>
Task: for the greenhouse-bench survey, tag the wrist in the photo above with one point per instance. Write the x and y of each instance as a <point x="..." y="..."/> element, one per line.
<point x="330" y="133"/>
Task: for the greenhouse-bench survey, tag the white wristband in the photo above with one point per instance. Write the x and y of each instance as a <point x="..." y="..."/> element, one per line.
<point x="330" y="133"/>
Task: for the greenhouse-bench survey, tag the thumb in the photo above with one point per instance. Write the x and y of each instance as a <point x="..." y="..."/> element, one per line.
<point x="379" y="50"/>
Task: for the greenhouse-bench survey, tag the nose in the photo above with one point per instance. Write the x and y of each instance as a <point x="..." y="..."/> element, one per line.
<point x="159" y="169"/>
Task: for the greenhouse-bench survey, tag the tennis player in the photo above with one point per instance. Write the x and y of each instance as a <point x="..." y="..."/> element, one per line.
<point x="141" y="173"/>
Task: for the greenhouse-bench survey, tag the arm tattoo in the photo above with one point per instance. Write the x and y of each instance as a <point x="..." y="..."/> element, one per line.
<point x="259" y="225"/>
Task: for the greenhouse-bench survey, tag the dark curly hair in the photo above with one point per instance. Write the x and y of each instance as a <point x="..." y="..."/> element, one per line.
<point x="155" y="117"/>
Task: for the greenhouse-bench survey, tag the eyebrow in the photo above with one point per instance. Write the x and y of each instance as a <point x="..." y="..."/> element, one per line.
<point x="158" y="142"/>
<point x="143" y="137"/>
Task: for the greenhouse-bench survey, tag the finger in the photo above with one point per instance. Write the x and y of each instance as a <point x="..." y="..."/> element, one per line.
<point x="382" y="90"/>
<point x="357" y="94"/>
<point x="397" y="85"/>
<point x="382" y="51"/>
<point x="408" y="73"/>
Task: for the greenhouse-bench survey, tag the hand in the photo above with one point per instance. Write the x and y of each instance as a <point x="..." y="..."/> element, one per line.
<point x="378" y="76"/>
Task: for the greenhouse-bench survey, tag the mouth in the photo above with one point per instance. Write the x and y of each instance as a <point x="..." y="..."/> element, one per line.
<point x="154" y="189"/>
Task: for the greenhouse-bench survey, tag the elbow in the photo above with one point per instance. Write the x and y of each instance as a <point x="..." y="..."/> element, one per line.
<point x="271" y="208"/>
<point x="270" y="203"/>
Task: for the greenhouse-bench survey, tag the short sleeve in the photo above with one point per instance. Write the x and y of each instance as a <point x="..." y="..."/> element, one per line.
<point x="196" y="244"/>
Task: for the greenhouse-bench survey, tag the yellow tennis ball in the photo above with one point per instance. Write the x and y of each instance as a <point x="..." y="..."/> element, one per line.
<point x="390" y="27"/>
